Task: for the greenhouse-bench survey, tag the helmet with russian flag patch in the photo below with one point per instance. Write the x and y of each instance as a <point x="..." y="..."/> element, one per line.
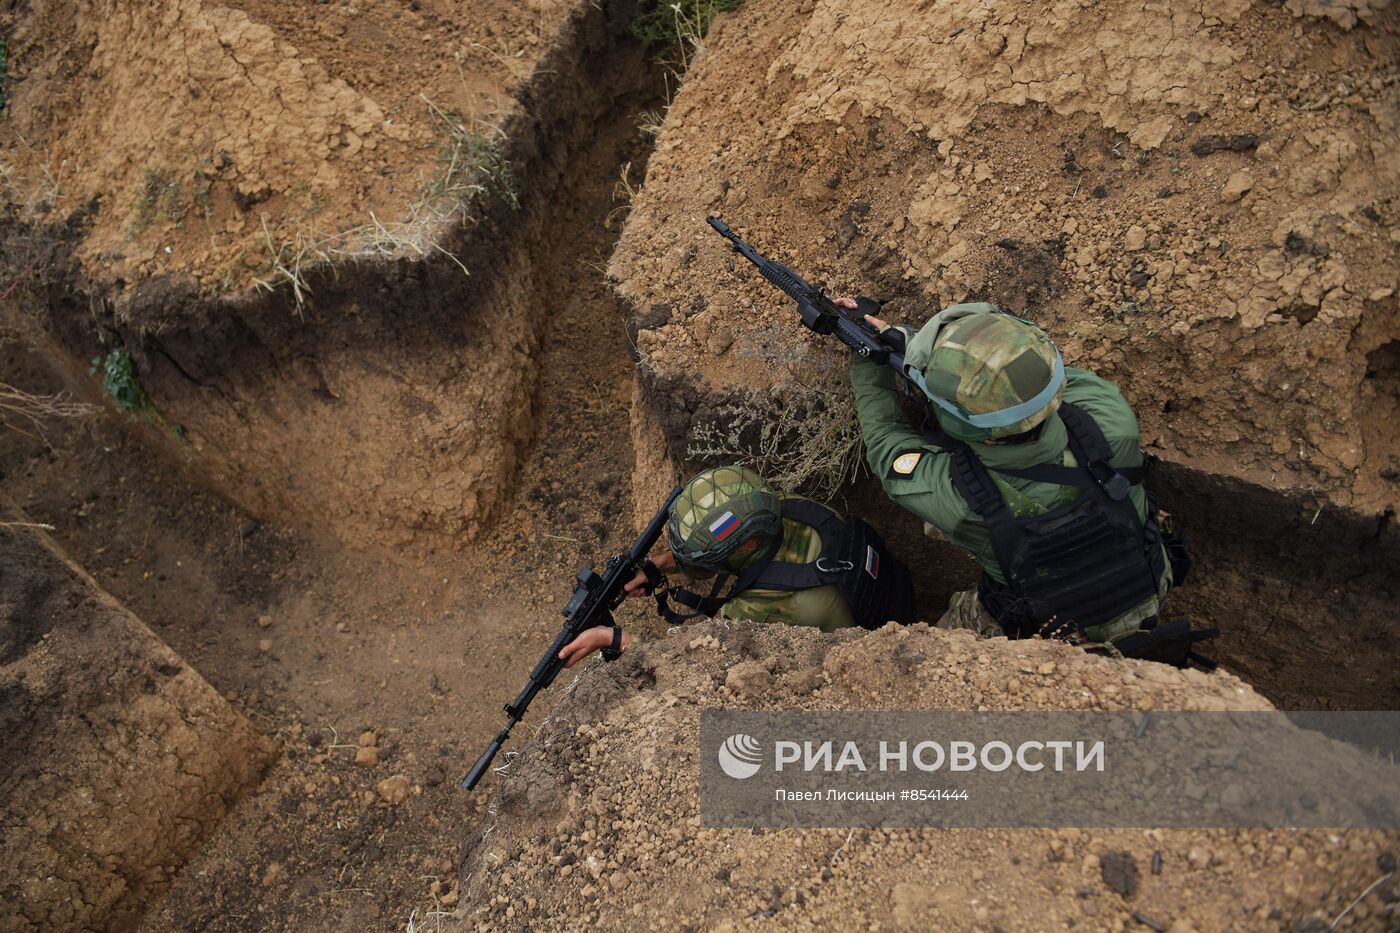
<point x="716" y="513"/>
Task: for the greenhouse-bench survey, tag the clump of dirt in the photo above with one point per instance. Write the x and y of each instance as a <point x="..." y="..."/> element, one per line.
<point x="596" y="820"/>
<point x="1198" y="201"/>
<point x="213" y="142"/>
<point x="119" y="758"/>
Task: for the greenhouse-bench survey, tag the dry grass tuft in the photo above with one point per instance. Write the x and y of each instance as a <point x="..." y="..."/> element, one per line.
<point x="25" y="413"/>
<point x="805" y="439"/>
<point x="471" y="165"/>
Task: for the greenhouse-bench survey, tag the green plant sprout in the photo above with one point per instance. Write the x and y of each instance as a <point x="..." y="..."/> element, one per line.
<point x="120" y="382"/>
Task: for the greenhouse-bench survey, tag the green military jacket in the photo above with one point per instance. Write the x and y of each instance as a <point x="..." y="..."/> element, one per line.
<point x="917" y="474"/>
<point x="821" y="607"/>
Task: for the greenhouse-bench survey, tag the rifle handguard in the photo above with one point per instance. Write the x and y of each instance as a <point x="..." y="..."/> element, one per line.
<point x="594" y="598"/>
<point x="868" y="306"/>
<point x="893" y="336"/>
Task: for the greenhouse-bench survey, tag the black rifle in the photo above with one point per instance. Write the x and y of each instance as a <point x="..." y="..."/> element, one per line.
<point x="821" y="314"/>
<point x="595" y="597"/>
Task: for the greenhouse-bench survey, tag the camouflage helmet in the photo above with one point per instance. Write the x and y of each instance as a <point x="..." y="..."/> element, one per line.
<point x="987" y="373"/>
<point x="718" y="511"/>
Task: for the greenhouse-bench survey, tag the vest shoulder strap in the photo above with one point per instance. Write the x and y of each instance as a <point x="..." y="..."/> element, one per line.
<point x="973" y="483"/>
<point x="1069" y="476"/>
<point x="1092" y="450"/>
<point x="1085" y="433"/>
<point x="709" y="605"/>
<point x="697" y="604"/>
<point x="809" y="513"/>
<point x="783" y="575"/>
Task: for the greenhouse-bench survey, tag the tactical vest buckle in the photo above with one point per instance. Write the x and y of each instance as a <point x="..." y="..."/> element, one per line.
<point x="1114" y="484"/>
<point x="836" y="566"/>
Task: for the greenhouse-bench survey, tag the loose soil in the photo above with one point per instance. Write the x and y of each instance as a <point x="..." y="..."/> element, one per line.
<point x="119" y="759"/>
<point x="596" y="822"/>
<point x="329" y="650"/>
<point x="385" y="399"/>
<point x="199" y="140"/>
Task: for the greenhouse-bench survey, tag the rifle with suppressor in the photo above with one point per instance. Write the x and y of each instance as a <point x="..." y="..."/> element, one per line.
<point x="821" y="314"/>
<point x="595" y="597"/>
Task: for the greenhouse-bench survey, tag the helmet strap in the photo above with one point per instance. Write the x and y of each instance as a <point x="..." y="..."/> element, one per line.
<point x="711" y="604"/>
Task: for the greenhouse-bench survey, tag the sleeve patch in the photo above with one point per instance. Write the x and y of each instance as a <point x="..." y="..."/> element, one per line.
<point x="906" y="463"/>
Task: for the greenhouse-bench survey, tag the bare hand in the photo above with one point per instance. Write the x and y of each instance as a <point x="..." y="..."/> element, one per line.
<point x="594" y="639"/>
<point x="850" y="304"/>
<point x="637" y="586"/>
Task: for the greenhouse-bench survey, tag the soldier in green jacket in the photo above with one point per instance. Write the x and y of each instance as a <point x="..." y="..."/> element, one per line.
<point x="700" y="554"/>
<point x="772" y="557"/>
<point x="1024" y="462"/>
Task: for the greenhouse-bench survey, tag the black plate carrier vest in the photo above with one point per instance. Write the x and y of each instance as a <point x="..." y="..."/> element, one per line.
<point x="1078" y="565"/>
<point x="876" y="585"/>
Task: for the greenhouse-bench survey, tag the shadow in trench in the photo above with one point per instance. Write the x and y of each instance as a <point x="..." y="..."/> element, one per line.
<point x="1305" y="595"/>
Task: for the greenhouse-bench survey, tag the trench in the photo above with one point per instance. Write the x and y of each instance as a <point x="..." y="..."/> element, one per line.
<point x="387" y="408"/>
<point x="400" y="622"/>
<point x="1304" y="592"/>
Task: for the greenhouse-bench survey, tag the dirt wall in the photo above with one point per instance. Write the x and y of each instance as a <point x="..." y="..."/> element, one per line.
<point x="595" y="822"/>
<point x="1196" y="200"/>
<point x="205" y="136"/>
<point x="119" y="758"/>
<point x="390" y="405"/>
<point x="1304" y="592"/>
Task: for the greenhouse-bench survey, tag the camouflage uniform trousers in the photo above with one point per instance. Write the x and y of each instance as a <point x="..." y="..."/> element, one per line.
<point x="965" y="611"/>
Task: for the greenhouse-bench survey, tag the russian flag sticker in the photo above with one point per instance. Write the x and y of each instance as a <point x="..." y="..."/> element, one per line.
<point x="872" y="562"/>
<point x="724" y="526"/>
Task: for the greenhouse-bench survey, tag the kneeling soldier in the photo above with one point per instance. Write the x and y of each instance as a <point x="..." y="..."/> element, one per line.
<point x="1034" y="469"/>
<point x="774" y="558"/>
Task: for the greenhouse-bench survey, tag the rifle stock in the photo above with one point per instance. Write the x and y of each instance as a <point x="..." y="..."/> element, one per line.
<point x="594" y="598"/>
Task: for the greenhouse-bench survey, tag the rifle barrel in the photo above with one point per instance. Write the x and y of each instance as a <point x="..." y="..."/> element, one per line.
<point x="484" y="762"/>
<point x="602" y="596"/>
<point x="722" y="227"/>
<point x="817" y="310"/>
